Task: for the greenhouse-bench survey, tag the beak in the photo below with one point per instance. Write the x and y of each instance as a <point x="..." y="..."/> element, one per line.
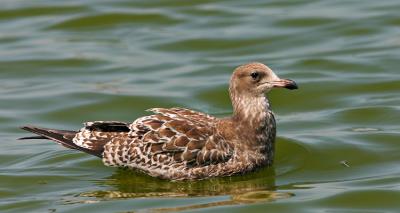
<point x="285" y="83"/>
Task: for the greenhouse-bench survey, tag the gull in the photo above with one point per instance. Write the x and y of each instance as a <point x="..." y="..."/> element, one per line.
<point x="183" y="144"/>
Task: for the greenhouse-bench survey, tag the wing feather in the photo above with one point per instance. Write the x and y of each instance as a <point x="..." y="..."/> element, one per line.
<point x="170" y="138"/>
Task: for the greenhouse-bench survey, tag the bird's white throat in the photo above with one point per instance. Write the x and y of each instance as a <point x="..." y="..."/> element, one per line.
<point x="253" y="111"/>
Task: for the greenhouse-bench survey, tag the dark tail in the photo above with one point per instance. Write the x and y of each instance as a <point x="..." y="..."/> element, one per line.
<point x="63" y="137"/>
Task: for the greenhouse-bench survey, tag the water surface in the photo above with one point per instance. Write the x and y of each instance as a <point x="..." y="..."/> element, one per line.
<point x="66" y="62"/>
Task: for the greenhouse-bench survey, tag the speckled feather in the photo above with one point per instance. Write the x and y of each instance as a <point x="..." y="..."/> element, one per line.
<point x="171" y="140"/>
<point x="180" y="144"/>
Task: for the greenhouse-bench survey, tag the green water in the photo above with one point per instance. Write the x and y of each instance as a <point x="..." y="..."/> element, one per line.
<point x="66" y="62"/>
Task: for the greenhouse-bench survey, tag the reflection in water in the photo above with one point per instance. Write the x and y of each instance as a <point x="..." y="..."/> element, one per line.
<point x="245" y="198"/>
<point x="256" y="187"/>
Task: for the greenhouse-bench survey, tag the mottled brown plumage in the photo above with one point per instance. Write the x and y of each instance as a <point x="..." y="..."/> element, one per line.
<point x="179" y="144"/>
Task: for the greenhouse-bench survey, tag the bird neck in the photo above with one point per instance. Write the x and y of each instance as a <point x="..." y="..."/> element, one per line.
<point x="251" y="111"/>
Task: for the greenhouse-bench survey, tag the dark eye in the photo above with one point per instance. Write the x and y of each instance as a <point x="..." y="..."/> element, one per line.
<point x="254" y="75"/>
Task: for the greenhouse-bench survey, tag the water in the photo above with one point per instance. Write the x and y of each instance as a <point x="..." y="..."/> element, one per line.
<point x="66" y="62"/>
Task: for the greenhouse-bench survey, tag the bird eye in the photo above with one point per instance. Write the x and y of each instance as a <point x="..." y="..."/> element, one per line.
<point x="254" y="75"/>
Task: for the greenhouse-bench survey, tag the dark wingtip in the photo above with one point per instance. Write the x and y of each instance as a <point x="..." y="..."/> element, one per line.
<point x="30" y="129"/>
<point x="57" y="136"/>
<point x="23" y="127"/>
<point x="27" y="127"/>
<point x="32" y="137"/>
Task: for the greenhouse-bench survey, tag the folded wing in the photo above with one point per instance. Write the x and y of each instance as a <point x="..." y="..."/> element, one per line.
<point x="169" y="139"/>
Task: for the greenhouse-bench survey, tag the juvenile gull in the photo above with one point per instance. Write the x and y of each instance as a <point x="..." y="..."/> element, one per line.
<point x="180" y="144"/>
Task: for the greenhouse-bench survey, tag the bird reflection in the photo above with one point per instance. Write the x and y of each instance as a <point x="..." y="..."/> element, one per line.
<point x="251" y="188"/>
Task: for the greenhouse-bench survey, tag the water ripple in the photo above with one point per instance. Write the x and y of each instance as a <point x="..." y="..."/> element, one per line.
<point x="64" y="63"/>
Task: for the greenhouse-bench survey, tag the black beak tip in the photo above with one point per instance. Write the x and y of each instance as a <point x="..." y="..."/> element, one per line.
<point x="292" y="85"/>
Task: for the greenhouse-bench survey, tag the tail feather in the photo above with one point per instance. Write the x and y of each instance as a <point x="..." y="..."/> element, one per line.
<point x="63" y="137"/>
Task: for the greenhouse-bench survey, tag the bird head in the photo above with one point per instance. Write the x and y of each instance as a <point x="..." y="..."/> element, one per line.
<point x="256" y="79"/>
